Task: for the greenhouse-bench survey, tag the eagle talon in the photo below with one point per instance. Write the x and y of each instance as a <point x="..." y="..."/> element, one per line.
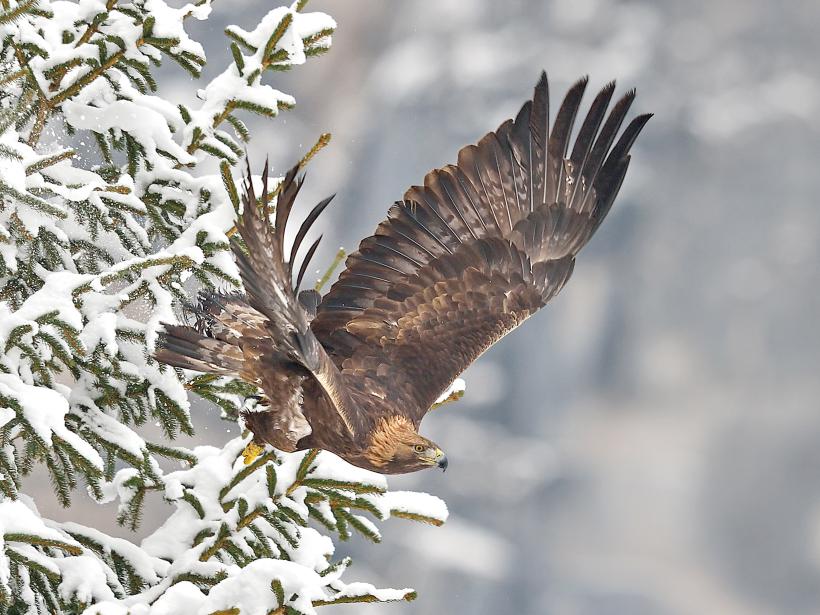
<point x="251" y="452"/>
<point x="254" y="403"/>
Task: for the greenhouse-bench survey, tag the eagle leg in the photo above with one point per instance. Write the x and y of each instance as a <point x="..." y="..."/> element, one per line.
<point x="251" y="452"/>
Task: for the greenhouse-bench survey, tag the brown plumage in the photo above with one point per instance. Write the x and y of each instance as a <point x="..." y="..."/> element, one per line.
<point x="457" y="264"/>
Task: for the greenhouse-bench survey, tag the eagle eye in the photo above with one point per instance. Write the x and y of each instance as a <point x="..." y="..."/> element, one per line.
<point x="419" y="448"/>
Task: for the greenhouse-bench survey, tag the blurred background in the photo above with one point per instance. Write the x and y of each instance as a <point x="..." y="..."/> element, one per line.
<point x="650" y="442"/>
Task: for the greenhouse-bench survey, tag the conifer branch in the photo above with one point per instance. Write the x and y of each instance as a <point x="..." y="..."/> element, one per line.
<point x="49" y="160"/>
<point x="87" y="79"/>
<point x="321" y="282"/>
<point x="95" y="23"/>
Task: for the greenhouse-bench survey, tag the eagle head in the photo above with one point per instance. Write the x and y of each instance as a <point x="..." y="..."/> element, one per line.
<point x="397" y="448"/>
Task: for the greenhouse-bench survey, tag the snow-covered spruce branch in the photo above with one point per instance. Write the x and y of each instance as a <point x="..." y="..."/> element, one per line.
<point x="105" y="213"/>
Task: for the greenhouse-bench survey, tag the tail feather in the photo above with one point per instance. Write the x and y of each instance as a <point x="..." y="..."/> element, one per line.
<point x="226" y="316"/>
<point x="187" y="348"/>
<point x="211" y="342"/>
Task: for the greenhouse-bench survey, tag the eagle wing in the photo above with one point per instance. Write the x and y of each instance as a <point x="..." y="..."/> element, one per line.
<point x="476" y="250"/>
<point x="268" y="280"/>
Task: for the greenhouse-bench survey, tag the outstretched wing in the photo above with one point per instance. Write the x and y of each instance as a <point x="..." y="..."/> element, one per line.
<point x="268" y="280"/>
<point x="467" y="257"/>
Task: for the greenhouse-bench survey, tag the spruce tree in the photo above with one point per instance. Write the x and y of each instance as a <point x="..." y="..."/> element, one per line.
<point x="108" y="218"/>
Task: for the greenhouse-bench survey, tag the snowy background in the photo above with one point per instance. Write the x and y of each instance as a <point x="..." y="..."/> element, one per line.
<point x="650" y="443"/>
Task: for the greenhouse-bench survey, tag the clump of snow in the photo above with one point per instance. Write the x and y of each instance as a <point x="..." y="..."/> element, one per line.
<point x="18" y="518"/>
<point x="412" y="503"/>
<point x="329" y="466"/>
<point x="44" y="410"/>
<point x="148" y="127"/>
<point x="83" y="578"/>
<point x="454" y="391"/>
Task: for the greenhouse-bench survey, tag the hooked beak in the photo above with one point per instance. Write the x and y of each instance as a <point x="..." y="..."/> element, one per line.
<point x="436" y="457"/>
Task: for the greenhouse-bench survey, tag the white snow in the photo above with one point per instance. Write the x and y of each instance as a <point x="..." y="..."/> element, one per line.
<point x="147" y="126"/>
<point x="457" y="387"/>
<point x="411" y="502"/>
<point x="329" y="466"/>
<point x="44" y="410"/>
<point x="83" y="578"/>
<point x="17" y="518"/>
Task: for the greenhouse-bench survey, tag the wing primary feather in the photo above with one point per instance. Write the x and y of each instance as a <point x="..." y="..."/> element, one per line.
<point x="306" y="262"/>
<point x="612" y="174"/>
<point x="604" y="141"/>
<point x="539" y="113"/>
<point x="586" y="137"/>
<point x="397" y="231"/>
<point x="381" y="264"/>
<point x="284" y="203"/>
<point x="465" y="184"/>
<point x="345" y="284"/>
<point x="265" y="197"/>
<point x="610" y="191"/>
<point x="366" y="275"/>
<point x="559" y="138"/>
<point x="516" y="136"/>
<point x="468" y="175"/>
<point x="383" y="244"/>
<point x="306" y="225"/>
<point x="431" y="207"/>
<point x="531" y="204"/>
<point x="513" y="165"/>
<point x="538" y="132"/>
<point x="248" y="276"/>
<point x="494" y="147"/>
<point x="248" y="181"/>
<point x="627" y="139"/>
<point x="486" y="194"/>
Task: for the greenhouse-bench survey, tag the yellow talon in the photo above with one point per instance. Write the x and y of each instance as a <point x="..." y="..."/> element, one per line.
<point x="251" y="452"/>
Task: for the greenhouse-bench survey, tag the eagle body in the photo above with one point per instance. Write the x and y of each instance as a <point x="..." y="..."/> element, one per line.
<point x="459" y="262"/>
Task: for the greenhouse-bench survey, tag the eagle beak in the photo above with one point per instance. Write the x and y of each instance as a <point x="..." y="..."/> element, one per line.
<point x="440" y="459"/>
<point x="435" y="457"/>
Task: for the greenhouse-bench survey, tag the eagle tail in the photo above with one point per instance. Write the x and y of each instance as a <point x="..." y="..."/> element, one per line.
<point x="210" y="342"/>
<point x="187" y="348"/>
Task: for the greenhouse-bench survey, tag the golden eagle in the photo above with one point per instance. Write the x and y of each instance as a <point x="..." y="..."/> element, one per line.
<point x="458" y="263"/>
